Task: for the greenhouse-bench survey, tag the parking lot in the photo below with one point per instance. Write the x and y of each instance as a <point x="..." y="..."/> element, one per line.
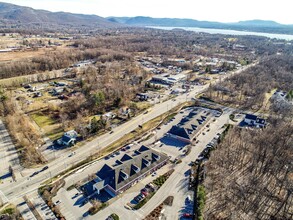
<point x="42" y="208"/>
<point x="71" y="204"/>
<point x="174" y="147"/>
<point x="25" y="211"/>
<point x="8" y="155"/>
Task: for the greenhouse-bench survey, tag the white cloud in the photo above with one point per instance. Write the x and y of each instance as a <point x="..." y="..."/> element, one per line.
<point x="211" y="10"/>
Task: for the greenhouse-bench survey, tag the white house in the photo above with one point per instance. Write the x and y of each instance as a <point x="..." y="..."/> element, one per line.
<point x="68" y="138"/>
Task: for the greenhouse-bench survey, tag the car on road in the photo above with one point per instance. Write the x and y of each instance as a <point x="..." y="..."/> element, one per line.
<point x="44" y="168"/>
<point x="111" y="132"/>
<point x="35" y="173"/>
<point x="71" y="154"/>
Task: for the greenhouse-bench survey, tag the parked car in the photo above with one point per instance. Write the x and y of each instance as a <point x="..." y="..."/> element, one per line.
<point x="57" y="202"/>
<point x="188" y="198"/>
<point x="187" y="215"/>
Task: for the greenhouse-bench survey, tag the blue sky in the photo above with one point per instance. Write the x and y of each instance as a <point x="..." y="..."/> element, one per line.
<point x="210" y="10"/>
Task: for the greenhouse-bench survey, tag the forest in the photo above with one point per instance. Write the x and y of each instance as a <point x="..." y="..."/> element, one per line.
<point x="248" y="89"/>
<point x="250" y="176"/>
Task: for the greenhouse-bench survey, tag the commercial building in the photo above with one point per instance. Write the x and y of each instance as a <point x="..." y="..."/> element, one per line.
<point x="253" y="120"/>
<point x="189" y="127"/>
<point x="129" y="170"/>
<point x="167" y="79"/>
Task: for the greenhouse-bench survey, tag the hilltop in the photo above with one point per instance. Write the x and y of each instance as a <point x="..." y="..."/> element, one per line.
<point x="251" y="25"/>
<point x="18" y="16"/>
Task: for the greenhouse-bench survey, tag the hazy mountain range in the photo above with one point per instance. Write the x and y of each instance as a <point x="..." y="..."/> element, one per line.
<point x="252" y="25"/>
<point x="14" y="16"/>
<point x="24" y="16"/>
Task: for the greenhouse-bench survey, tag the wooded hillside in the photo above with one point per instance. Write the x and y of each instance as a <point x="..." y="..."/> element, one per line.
<point x="250" y="175"/>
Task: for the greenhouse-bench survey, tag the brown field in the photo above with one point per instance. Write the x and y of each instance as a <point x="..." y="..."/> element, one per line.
<point x="18" y="55"/>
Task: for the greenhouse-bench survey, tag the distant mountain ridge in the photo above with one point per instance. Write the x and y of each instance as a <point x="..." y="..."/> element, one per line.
<point x="26" y="18"/>
<point x="251" y="25"/>
<point x="11" y="14"/>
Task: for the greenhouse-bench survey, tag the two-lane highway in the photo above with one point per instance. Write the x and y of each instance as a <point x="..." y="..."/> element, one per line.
<point x="63" y="162"/>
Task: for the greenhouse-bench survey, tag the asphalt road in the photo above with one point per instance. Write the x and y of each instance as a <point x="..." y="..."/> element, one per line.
<point x="25" y="184"/>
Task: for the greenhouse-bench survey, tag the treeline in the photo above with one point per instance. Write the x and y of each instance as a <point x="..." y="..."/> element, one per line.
<point x="58" y="60"/>
<point x="114" y="45"/>
<point x="102" y="88"/>
<point x="23" y="132"/>
<point x="250" y="175"/>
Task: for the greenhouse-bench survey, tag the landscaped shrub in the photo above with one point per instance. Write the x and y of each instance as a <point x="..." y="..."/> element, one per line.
<point x="115" y="216"/>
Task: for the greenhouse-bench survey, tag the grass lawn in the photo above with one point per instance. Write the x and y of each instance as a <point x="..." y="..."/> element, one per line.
<point x="51" y="127"/>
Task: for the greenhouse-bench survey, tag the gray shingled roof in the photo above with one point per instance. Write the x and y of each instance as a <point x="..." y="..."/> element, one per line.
<point x="130" y="168"/>
<point x="189" y="125"/>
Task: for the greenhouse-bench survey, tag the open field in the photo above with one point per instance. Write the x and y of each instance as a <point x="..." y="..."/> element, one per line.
<point x="19" y="55"/>
<point x="51" y="127"/>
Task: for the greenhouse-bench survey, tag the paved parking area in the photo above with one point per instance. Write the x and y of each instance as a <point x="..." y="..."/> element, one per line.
<point x="42" y="208"/>
<point x="25" y="211"/>
<point x="172" y="146"/>
<point x="71" y="206"/>
<point x="8" y="155"/>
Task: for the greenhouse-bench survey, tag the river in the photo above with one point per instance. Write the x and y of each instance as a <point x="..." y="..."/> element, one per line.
<point x="229" y="32"/>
